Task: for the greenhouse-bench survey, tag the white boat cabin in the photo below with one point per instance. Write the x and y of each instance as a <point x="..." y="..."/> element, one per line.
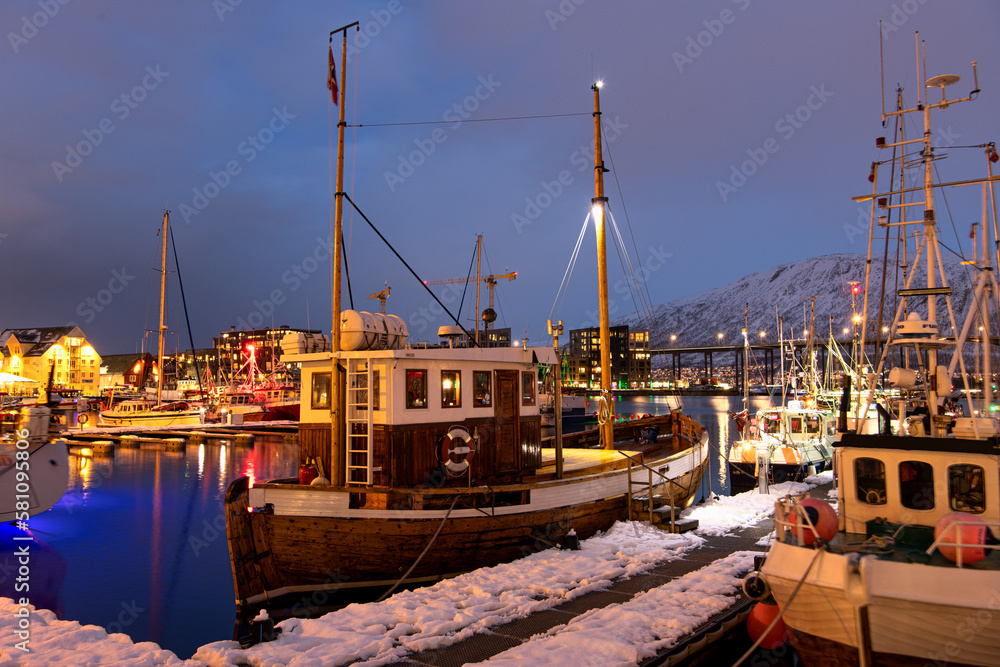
<point x="900" y="480"/>
<point x="427" y="416"/>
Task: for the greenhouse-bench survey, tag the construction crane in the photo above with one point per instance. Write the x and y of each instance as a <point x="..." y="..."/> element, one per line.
<point x="489" y="315"/>
<point x="381" y="296"/>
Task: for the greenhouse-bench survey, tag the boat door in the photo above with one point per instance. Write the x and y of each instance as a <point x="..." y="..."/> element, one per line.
<point x="508" y="422"/>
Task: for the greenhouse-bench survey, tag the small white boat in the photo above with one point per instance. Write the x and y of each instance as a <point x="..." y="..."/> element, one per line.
<point x="34" y="467"/>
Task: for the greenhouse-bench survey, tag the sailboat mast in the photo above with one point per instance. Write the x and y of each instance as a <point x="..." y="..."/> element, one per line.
<point x="598" y="205"/>
<point x="338" y="383"/>
<point x="163" y="300"/>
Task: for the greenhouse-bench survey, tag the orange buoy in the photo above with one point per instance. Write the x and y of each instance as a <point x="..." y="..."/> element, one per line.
<point x="823" y="518"/>
<point x="760" y="617"/>
<point x="974" y="536"/>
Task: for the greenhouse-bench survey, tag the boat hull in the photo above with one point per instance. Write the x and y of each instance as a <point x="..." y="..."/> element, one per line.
<point x="48" y="476"/>
<point x="893" y="613"/>
<point x="187" y="417"/>
<point x="311" y="539"/>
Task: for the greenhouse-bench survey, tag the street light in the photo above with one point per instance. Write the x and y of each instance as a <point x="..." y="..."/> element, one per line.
<point x="762" y="334"/>
<point x="720" y="336"/>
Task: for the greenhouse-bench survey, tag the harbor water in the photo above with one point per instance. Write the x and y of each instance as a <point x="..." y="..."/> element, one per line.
<point x="138" y="542"/>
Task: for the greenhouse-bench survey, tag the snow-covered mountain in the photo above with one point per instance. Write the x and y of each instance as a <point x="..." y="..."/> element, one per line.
<point x="783" y="291"/>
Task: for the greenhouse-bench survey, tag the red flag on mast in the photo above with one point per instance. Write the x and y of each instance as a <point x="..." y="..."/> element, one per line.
<point x="331" y="78"/>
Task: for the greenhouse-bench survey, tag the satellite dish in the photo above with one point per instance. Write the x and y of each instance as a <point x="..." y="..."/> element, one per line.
<point x="942" y="80"/>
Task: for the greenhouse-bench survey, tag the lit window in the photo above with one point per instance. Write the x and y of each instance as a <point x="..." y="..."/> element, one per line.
<point x="869" y="479"/>
<point x="481" y="389"/>
<point x="321" y="391"/>
<point x="451" y="389"/>
<point x="416" y="389"/>
<point x="527" y="388"/>
<point x="966" y="489"/>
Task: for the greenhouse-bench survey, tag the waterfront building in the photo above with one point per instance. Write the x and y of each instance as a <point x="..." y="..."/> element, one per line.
<point x="630" y="357"/>
<point x="30" y="353"/>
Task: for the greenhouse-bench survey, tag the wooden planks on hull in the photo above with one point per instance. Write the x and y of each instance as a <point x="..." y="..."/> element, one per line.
<point x="382" y="549"/>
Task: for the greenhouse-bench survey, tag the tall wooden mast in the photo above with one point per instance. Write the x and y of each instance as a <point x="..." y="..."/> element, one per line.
<point x="338" y="381"/>
<point x="598" y="213"/>
<point x="163" y="303"/>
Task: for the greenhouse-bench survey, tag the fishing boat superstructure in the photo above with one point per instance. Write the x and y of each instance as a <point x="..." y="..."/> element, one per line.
<point x="908" y="574"/>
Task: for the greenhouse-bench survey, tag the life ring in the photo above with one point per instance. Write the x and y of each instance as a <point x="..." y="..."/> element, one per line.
<point x="81" y="420"/>
<point x="875" y="497"/>
<point x="457" y="447"/>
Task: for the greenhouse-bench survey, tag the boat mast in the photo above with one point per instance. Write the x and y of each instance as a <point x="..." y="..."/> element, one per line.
<point x="163" y="299"/>
<point x="598" y="205"/>
<point x="338" y="381"/>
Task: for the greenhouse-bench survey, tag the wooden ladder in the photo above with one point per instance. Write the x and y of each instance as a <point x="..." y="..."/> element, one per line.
<point x="359" y="421"/>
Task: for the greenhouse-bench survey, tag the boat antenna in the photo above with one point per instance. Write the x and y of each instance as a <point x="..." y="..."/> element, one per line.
<point x="881" y="62"/>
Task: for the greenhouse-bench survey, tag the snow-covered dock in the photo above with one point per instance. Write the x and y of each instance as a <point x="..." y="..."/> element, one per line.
<point x="626" y="596"/>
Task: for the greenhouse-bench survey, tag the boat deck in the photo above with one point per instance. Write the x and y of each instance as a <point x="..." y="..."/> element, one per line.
<point x="584" y="460"/>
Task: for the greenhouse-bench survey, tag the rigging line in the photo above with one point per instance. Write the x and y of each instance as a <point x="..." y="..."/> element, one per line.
<point x="621" y="195"/>
<point x="468" y="274"/>
<point x="554" y="310"/>
<point x="472" y="120"/>
<point x="408" y="267"/>
<point x="620" y="250"/>
<point x="187" y="319"/>
<point x="347" y="267"/>
<point x="643" y="297"/>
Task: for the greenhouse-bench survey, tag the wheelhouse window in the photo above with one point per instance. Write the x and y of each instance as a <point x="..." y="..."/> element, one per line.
<point x="869" y="480"/>
<point x="966" y="489"/>
<point x="527" y="388"/>
<point x="481" y="381"/>
<point x="416" y="389"/>
<point x="321" y="391"/>
<point x="451" y="389"/>
<point x="916" y="485"/>
<point x="812" y="424"/>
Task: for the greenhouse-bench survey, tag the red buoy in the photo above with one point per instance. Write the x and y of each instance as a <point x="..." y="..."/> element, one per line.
<point x="973" y="536"/>
<point x="760" y="617"/>
<point x="823" y="518"/>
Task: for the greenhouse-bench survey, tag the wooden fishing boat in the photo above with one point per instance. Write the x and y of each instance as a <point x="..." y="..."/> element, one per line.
<point x="431" y="464"/>
<point x="908" y="573"/>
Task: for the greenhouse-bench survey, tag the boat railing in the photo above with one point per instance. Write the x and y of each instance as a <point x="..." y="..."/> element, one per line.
<point x="649" y="487"/>
<point x="958" y="543"/>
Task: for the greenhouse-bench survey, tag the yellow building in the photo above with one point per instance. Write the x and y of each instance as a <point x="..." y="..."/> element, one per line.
<point x="30" y="353"/>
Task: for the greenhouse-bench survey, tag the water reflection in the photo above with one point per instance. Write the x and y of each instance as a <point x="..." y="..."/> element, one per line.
<point x="141" y="541"/>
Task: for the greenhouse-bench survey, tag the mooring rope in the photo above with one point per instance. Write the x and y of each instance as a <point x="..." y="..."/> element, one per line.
<point x="422" y="553"/>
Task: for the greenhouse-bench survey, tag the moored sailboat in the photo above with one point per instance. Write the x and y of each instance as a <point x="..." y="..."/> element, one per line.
<point x="143" y="412"/>
<point x="430" y="464"/>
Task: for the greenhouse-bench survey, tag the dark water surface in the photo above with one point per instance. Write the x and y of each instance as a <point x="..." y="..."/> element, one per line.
<point x="138" y="545"/>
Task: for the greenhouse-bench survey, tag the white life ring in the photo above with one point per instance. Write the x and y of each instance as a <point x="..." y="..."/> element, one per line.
<point x="457" y="447"/>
